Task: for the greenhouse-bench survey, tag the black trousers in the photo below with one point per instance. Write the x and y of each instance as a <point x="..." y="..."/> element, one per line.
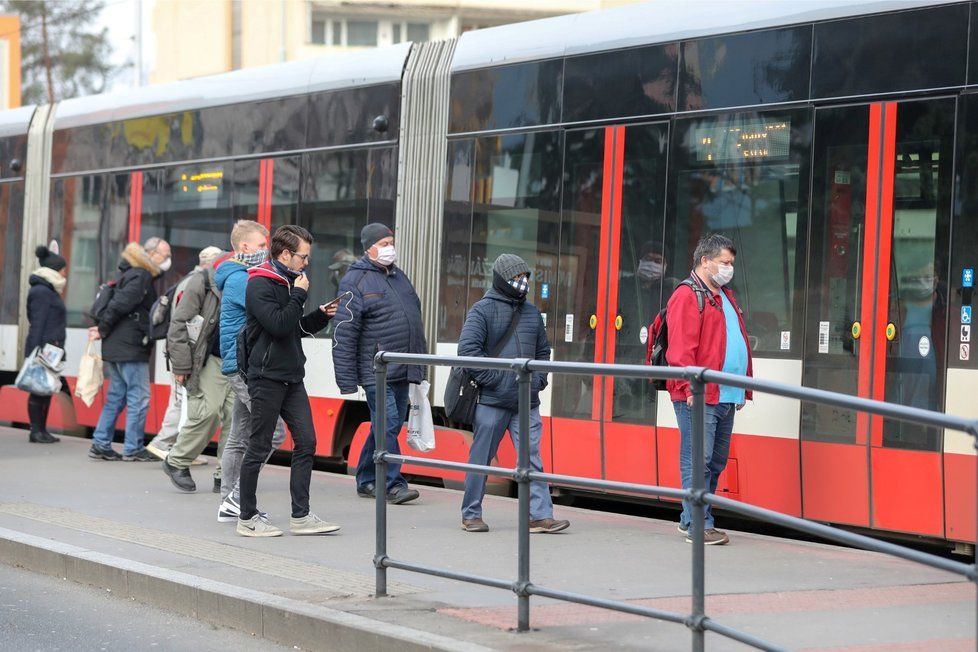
<point x="269" y="400"/>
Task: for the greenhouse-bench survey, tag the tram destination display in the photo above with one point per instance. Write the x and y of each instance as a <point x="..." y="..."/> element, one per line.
<point x="742" y="139"/>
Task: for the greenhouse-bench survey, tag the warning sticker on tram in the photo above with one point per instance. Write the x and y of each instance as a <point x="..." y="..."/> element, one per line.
<point x="965" y="314"/>
<point x="965" y="351"/>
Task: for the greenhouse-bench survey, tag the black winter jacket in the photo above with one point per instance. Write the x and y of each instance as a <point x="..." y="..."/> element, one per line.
<point x="386" y="315"/>
<point x="45" y="314"/>
<point x="276" y="326"/>
<point x="486" y="323"/>
<point x="124" y="325"/>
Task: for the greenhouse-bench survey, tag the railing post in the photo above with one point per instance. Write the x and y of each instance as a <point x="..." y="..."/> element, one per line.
<point x="523" y="468"/>
<point x="380" y="478"/>
<point x="698" y="517"/>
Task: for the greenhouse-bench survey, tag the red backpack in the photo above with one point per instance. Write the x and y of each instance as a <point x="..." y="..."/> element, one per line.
<point x="658" y="341"/>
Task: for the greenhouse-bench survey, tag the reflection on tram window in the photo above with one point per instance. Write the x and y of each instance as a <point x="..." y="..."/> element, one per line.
<point x="745" y="176"/>
<point x="342" y="192"/>
<point x="192" y="211"/>
<point x="284" y="174"/>
<point x="89" y="219"/>
<point x="456" y="241"/>
<point x="519" y="95"/>
<point x="516" y="210"/>
<point x="11" y="221"/>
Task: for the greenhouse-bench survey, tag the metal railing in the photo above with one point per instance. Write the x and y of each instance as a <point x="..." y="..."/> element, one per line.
<point x="698" y="622"/>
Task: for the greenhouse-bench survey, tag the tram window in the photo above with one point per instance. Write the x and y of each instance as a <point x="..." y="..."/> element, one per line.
<point x="244" y="189"/>
<point x="196" y="213"/>
<point x="635" y="82"/>
<point x="853" y="57"/>
<point x="80" y="148"/>
<point x="11" y="221"/>
<point x="270" y="126"/>
<point x="285" y="190"/>
<point x="13" y="147"/>
<point x="745" y="69"/>
<point x="338" y="200"/>
<point x="456" y="240"/>
<point x="516" y="209"/>
<point x="346" y="117"/>
<point x="745" y="175"/>
<point x="519" y="95"/>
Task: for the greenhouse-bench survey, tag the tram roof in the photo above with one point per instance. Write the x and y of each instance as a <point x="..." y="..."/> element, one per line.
<point x="332" y="72"/>
<point x="657" y="21"/>
<point x="16" y="122"/>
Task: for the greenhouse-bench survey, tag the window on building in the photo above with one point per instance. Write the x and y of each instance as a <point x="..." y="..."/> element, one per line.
<point x="418" y="32"/>
<point x="361" y="33"/>
<point x="318" y="32"/>
<point x="396" y="33"/>
<point x="336" y="35"/>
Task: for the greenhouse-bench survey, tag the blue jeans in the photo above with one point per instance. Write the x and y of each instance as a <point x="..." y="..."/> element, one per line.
<point x="491" y="423"/>
<point x="397" y="410"/>
<point x="717" y="425"/>
<point x="129" y="390"/>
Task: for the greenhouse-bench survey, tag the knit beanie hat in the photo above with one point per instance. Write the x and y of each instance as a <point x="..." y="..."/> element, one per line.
<point x="49" y="259"/>
<point x="509" y="265"/>
<point x="372" y="233"/>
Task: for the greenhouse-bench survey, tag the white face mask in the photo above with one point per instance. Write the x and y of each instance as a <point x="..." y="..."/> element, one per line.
<point x="649" y="270"/>
<point x="166" y="264"/>
<point x="386" y="256"/>
<point x="724" y="274"/>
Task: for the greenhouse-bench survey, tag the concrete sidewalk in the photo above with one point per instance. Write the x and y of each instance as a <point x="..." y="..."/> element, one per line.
<point x="125" y="528"/>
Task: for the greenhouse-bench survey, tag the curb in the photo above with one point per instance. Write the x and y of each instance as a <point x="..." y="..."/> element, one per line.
<point x="271" y="617"/>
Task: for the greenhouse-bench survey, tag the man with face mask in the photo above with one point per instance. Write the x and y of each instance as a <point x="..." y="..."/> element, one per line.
<point x="504" y="317"/>
<point x="274" y="300"/>
<point x="706" y="329"/>
<point x="123" y="328"/>
<point x="384" y="312"/>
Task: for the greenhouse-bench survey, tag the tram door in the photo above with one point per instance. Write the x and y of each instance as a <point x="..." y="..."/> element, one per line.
<point x="877" y="310"/>
<point x="611" y="269"/>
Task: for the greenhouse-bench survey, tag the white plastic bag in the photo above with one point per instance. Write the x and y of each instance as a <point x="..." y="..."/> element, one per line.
<point x="36" y="378"/>
<point x="421" y="428"/>
<point x="89" y="375"/>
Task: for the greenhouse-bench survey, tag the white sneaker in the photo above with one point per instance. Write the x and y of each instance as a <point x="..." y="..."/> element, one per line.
<point x="311" y="524"/>
<point x="255" y="527"/>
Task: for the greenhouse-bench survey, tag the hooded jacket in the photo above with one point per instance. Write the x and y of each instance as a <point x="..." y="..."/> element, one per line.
<point x="486" y="323"/>
<point x="276" y="326"/>
<point x="384" y="313"/>
<point x="232" y="280"/>
<point x="700" y="339"/>
<point x="200" y="296"/>
<point x="124" y="325"/>
<point x="45" y="312"/>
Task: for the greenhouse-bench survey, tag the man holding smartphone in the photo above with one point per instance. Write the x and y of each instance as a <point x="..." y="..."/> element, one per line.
<point x="275" y="296"/>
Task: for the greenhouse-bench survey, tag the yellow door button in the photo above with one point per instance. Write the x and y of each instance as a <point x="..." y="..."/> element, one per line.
<point x="594" y="321"/>
<point x="857" y="330"/>
<point x="618" y="323"/>
<point x="891" y="332"/>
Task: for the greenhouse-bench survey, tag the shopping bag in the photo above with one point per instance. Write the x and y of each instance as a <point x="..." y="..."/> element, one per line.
<point x="36" y="378"/>
<point x="421" y="427"/>
<point x="89" y="375"/>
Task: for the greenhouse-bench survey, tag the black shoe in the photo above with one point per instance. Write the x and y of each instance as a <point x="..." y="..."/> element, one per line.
<point x="42" y="437"/>
<point x="181" y="478"/>
<point x="402" y="494"/>
<point x="366" y="491"/>
<point x="142" y="456"/>
<point x="51" y="439"/>
<point x="107" y="454"/>
<point x="217" y="486"/>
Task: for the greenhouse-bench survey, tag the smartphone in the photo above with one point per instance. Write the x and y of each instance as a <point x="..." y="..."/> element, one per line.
<point x="333" y="302"/>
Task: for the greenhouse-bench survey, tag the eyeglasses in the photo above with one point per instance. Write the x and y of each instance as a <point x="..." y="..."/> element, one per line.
<point x="304" y="257"/>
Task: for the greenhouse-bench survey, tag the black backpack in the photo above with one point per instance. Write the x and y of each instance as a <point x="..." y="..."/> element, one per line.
<point x="103" y="295"/>
<point x="655" y="352"/>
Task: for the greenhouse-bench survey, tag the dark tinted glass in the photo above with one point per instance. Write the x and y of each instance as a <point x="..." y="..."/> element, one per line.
<point x="520" y="95"/>
<point x="12" y="149"/>
<point x="11" y="221"/>
<point x="620" y="84"/>
<point x="964" y="240"/>
<point x="271" y="126"/>
<point x="891" y="52"/>
<point x="285" y="190"/>
<point x="346" y="117"/>
<point x="973" y="48"/>
<point x="244" y="189"/>
<point x="82" y="148"/>
<point x="456" y="240"/>
<point x="745" y="69"/>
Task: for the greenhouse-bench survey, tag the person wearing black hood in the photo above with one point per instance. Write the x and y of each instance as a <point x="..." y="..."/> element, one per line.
<point x="47" y="321"/>
<point x="383" y="312"/>
<point x="487" y="323"/>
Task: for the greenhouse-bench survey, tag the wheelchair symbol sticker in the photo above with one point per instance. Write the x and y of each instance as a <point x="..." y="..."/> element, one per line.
<point x="965" y="314"/>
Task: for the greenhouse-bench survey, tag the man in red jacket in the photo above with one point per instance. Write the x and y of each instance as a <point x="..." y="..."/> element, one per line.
<point x="706" y="329"/>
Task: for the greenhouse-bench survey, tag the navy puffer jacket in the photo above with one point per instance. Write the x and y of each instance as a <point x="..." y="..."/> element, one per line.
<point x="383" y="315"/>
<point x="46" y="315"/>
<point x="486" y="323"/>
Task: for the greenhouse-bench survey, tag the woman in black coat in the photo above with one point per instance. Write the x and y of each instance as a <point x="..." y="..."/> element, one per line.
<point x="48" y="320"/>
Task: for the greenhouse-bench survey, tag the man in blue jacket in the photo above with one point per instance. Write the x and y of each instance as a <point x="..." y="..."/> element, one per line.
<point x="384" y="312"/>
<point x="249" y="239"/>
<point x="487" y="323"/>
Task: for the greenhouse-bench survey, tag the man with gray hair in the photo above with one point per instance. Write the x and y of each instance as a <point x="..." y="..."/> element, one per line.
<point x="706" y="329"/>
<point x="123" y="327"/>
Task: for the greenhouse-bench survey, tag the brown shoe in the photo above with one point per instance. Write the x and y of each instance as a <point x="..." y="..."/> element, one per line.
<point x="548" y="526"/>
<point x="474" y="525"/>
<point x="712" y="537"/>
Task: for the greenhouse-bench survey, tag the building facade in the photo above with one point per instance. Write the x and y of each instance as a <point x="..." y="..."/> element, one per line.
<point x="213" y="36"/>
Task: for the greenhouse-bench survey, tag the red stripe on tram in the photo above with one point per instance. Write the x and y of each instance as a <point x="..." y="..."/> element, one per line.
<point x="135" y="205"/>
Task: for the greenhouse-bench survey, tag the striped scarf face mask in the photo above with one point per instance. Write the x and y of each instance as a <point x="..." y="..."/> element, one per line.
<point x="254" y="258"/>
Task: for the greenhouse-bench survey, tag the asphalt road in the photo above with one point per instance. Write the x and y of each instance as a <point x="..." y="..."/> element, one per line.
<point x="38" y="612"/>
